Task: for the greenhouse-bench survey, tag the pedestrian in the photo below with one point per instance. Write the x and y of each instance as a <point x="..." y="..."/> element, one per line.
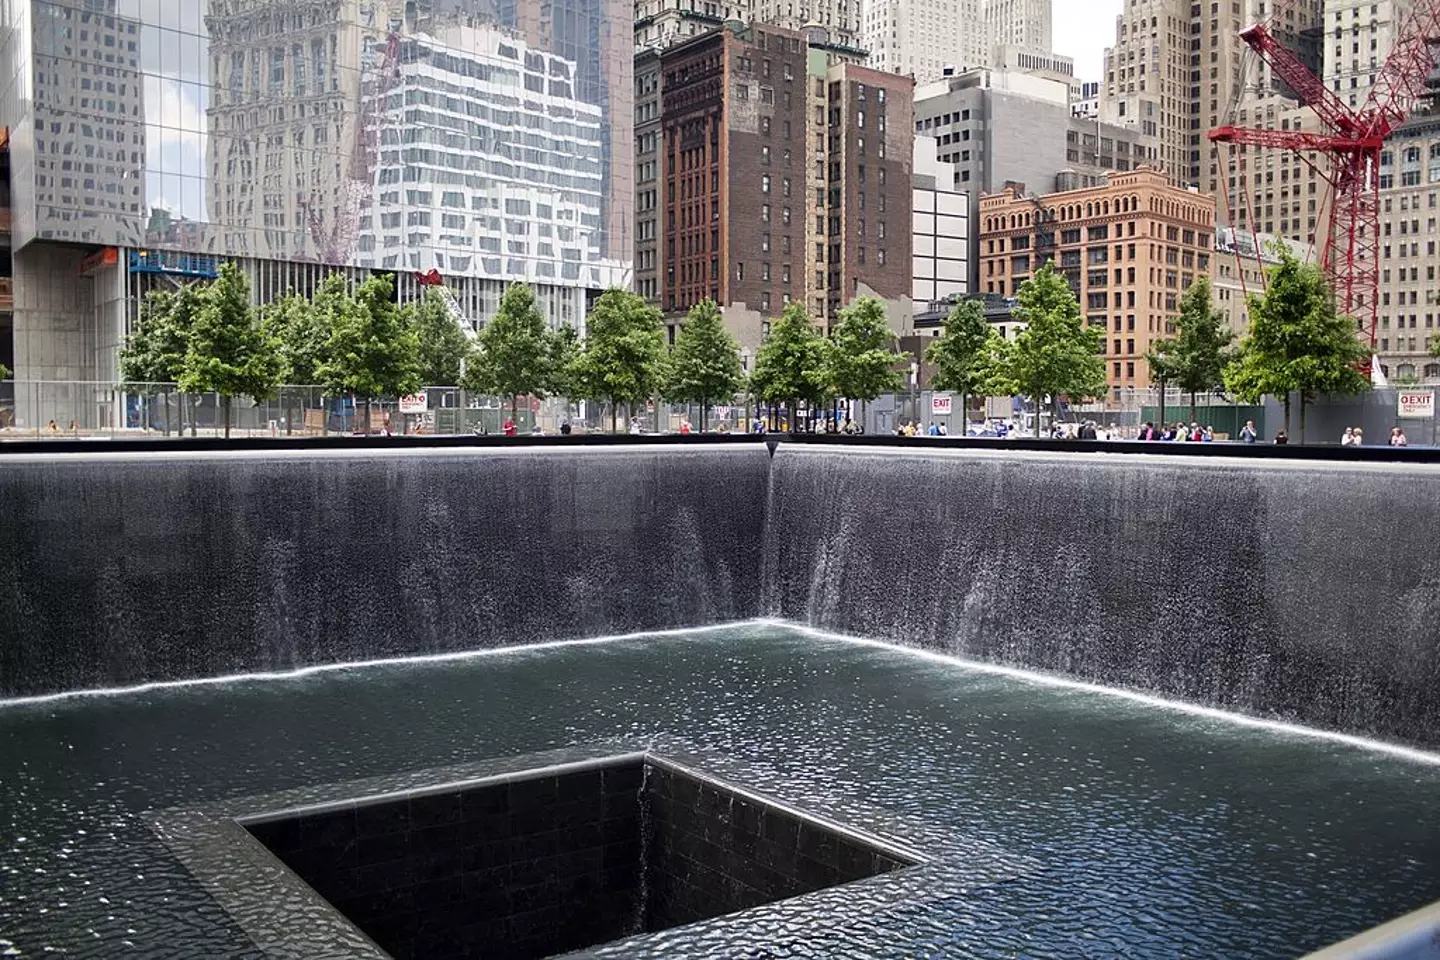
<point x="1181" y="434"/>
<point x="1359" y="437"/>
<point x="634" y="426"/>
<point x="934" y="430"/>
<point x="510" y="428"/>
<point x="1088" y="431"/>
<point x="684" y="426"/>
<point x="1147" y="432"/>
<point x="1207" y="434"/>
<point x="1281" y="438"/>
<point x="564" y="428"/>
<point x="1397" y="438"/>
<point x="1196" y="434"/>
<point x="849" y="428"/>
<point x="1347" y="439"/>
<point x="944" y="430"/>
<point x="1247" y="432"/>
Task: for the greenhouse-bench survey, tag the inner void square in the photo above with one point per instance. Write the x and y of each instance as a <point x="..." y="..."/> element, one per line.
<point x="562" y="858"/>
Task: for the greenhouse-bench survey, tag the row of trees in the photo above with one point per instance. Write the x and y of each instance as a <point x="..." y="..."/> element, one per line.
<point x="209" y="338"/>
<point x="1298" y="346"/>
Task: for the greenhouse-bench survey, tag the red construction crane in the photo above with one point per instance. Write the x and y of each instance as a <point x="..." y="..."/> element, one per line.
<point x="333" y="245"/>
<point x="1352" y="140"/>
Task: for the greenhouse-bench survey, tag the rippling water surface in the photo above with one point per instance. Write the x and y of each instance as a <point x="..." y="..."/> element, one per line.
<point x="1153" y="833"/>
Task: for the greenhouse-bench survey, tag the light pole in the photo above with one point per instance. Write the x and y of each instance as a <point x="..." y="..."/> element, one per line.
<point x="915" y="391"/>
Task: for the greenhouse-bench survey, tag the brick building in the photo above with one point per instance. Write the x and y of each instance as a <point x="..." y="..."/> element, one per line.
<point x="1129" y="249"/>
<point x="870" y="174"/>
<point x="768" y="169"/>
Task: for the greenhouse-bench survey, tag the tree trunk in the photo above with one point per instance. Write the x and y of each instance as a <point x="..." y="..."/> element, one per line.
<point x="165" y="399"/>
<point x="1192" y="406"/>
<point x="1287" y="412"/>
<point x="515" y="410"/>
<point x="289" y="414"/>
<point x="1162" y="405"/>
<point x="1302" y="416"/>
<point x="704" y="410"/>
<point x="964" y="413"/>
<point x="1039" y="417"/>
<point x="367" y="415"/>
<point x="225" y="402"/>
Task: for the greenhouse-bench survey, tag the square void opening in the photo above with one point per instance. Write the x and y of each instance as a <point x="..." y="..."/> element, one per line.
<point x="563" y="859"/>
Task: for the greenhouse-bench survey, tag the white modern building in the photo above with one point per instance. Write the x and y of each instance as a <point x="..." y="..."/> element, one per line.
<point x="489" y="166"/>
<point x="941" y="229"/>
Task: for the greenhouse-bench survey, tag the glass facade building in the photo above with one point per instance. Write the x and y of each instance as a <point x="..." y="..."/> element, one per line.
<point x="490" y="140"/>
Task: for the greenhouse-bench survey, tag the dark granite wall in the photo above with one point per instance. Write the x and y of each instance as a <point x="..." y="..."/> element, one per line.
<point x="712" y="852"/>
<point x="539" y="865"/>
<point x="523" y="869"/>
<point x="117" y="570"/>
<point x="1304" y="591"/>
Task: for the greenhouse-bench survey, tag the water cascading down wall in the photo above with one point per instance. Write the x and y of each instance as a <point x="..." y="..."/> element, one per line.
<point x="1304" y="591"/>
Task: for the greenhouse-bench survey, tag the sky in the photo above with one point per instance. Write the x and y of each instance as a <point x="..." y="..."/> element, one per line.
<point x="1083" y="29"/>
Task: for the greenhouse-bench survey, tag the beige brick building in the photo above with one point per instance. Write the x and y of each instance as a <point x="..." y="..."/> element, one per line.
<point x="1129" y="250"/>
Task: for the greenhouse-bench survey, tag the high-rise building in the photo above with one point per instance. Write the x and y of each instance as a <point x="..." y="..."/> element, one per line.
<point x="1025" y="24"/>
<point x="838" y="20"/>
<point x="1129" y="250"/>
<point x="1356" y="38"/>
<point x="1410" y="247"/>
<point x="869" y="164"/>
<point x="660" y="23"/>
<point x="778" y="171"/>
<point x="997" y="126"/>
<point x="1180" y="69"/>
<point x="924" y="38"/>
<point x="162" y="139"/>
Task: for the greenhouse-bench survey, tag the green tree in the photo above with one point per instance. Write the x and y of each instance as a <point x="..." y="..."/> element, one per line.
<point x="791" y="365"/>
<point x="153" y="357"/>
<point x="514" y="351"/>
<point x="970" y="356"/>
<point x="228" y="351"/>
<point x="623" y="358"/>
<point x="297" y="325"/>
<point x="564" y="348"/>
<point x="4" y="372"/>
<point x="705" y="364"/>
<point x="1297" y="344"/>
<point x="1200" y="350"/>
<point x="442" y="344"/>
<point x="371" y="350"/>
<point x="1056" y="353"/>
<point x="861" y="359"/>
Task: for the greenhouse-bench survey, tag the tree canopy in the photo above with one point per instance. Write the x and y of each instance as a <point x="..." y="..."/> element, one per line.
<point x="1056" y="353"/>
<point x="1297" y="342"/>
<point x="440" y="343"/>
<point x="623" y="358"/>
<point x="1196" y="359"/>
<point x="514" y="352"/>
<point x="970" y="356"/>
<point x="371" y="349"/>
<point x="790" y="366"/>
<point x="154" y="353"/>
<point x="296" y="325"/>
<point x="860" y="363"/>
<point x="228" y="350"/>
<point x="705" y="365"/>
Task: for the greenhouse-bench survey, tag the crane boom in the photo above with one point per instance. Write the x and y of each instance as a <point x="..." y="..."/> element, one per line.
<point x="1401" y="81"/>
<point x="1311" y="90"/>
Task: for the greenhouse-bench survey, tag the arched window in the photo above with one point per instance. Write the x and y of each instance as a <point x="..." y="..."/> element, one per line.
<point x="1406" y="371"/>
<point x="1432" y="371"/>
